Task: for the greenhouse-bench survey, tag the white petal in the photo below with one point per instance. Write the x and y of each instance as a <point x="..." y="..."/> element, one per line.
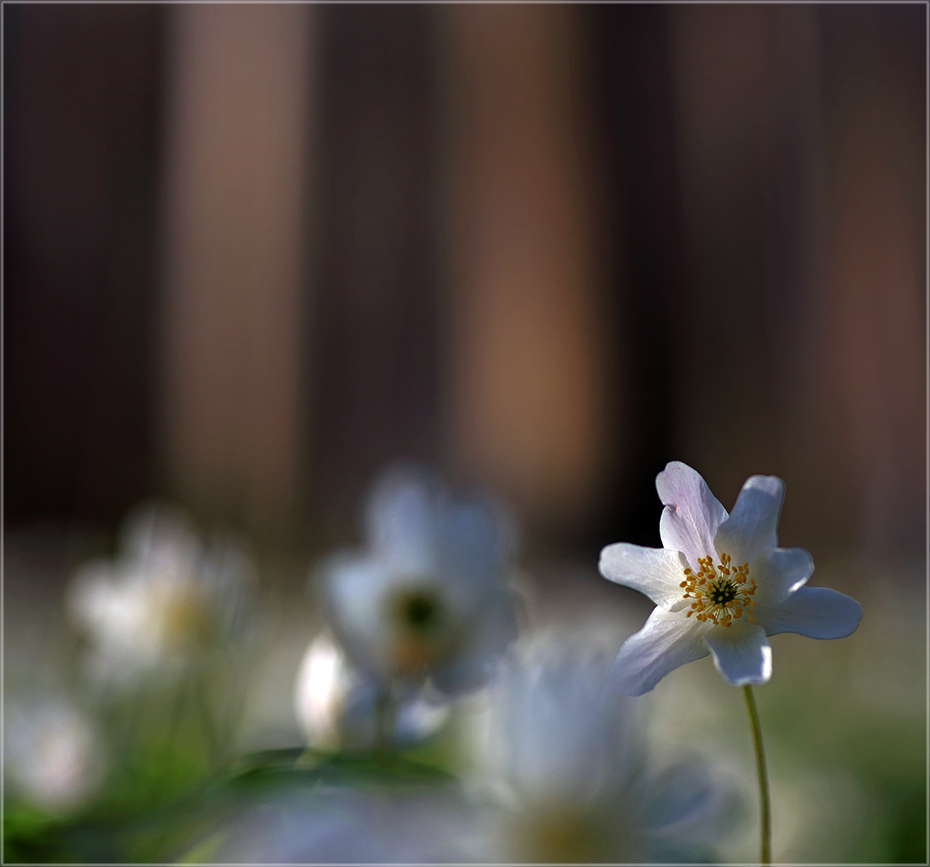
<point x="475" y="540"/>
<point x="741" y="653"/>
<point x="657" y="572"/>
<point x="486" y="637"/>
<point x="692" y="513"/>
<point x="778" y="572"/>
<point x="353" y="589"/>
<point x="751" y="526"/>
<point x="399" y="518"/>
<point x="816" y="612"/>
<point x="666" y="642"/>
<point x="160" y="537"/>
<point x="89" y="596"/>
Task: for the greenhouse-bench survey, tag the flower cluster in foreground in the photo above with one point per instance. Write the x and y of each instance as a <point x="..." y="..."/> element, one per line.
<point x="558" y="774"/>
<point x="721" y="585"/>
<point x="544" y="762"/>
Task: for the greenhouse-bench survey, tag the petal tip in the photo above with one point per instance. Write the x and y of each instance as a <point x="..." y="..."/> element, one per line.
<point x="771" y="486"/>
<point x="669" y="480"/>
<point x="602" y="562"/>
<point x="853" y="614"/>
<point x="763" y="676"/>
<point x="816" y="612"/>
<point x="742" y="660"/>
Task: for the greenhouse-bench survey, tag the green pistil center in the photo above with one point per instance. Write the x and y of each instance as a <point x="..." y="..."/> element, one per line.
<point x="419" y="611"/>
<point x="721" y="592"/>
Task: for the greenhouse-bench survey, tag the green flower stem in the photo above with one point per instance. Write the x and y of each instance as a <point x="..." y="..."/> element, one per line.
<point x="385" y="714"/>
<point x="764" y="801"/>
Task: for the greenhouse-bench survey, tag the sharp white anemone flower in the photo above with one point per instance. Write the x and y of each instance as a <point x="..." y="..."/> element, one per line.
<point x="336" y="706"/>
<point x="567" y="760"/>
<point x="426" y="600"/>
<point x="721" y="585"/>
<point x="163" y="598"/>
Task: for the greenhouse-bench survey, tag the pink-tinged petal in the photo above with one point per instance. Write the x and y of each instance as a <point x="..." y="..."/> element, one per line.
<point x="753" y="522"/>
<point x="691" y="514"/>
<point x="741" y="653"/>
<point x="657" y="572"/>
<point x="816" y="612"/>
<point x="779" y="572"/>
<point x="666" y="642"/>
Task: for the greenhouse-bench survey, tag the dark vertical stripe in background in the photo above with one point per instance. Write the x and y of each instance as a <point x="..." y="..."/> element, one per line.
<point x="632" y="78"/>
<point x="82" y="122"/>
<point x="375" y="323"/>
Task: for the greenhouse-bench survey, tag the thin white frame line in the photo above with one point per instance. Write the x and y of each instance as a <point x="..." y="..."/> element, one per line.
<point x="927" y="425"/>
<point x="465" y="2"/>
<point x="925" y="3"/>
<point x="2" y="433"/>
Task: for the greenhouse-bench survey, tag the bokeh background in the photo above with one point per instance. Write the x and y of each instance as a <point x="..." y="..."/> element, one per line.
<point x="254" y="253"/>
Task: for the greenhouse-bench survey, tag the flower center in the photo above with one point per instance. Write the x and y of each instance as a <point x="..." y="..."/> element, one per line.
<point x="566" y="836"/>
<point x="721" y="593"/>
<point x="184" y="619"/>
<point x="419" y="611"/>
<point x="420" y="631"/>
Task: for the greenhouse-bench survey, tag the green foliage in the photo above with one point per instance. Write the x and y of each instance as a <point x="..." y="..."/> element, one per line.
<point x="156" y="811"/>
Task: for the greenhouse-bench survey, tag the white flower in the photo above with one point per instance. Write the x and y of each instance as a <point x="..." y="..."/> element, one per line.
<point x="164" y="597"/>
<point x="336" y="706"/>
<point x="721" y="585"/>
<point x="331" y="824"/>
<point x="53" y="754"/>
<point x="426" y="599"/>
<point x="573" y="779"/>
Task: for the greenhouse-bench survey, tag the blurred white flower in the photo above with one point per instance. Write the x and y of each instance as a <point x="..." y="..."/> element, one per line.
<point x="721" y="585"/>
<point x="163" y="598"/>
<point x="53" y="755"/>
<point x="337" y="825"/>
<point x="426" y="599"/>
<point x="567" y="761"/>
<point x="336" y="706"/>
